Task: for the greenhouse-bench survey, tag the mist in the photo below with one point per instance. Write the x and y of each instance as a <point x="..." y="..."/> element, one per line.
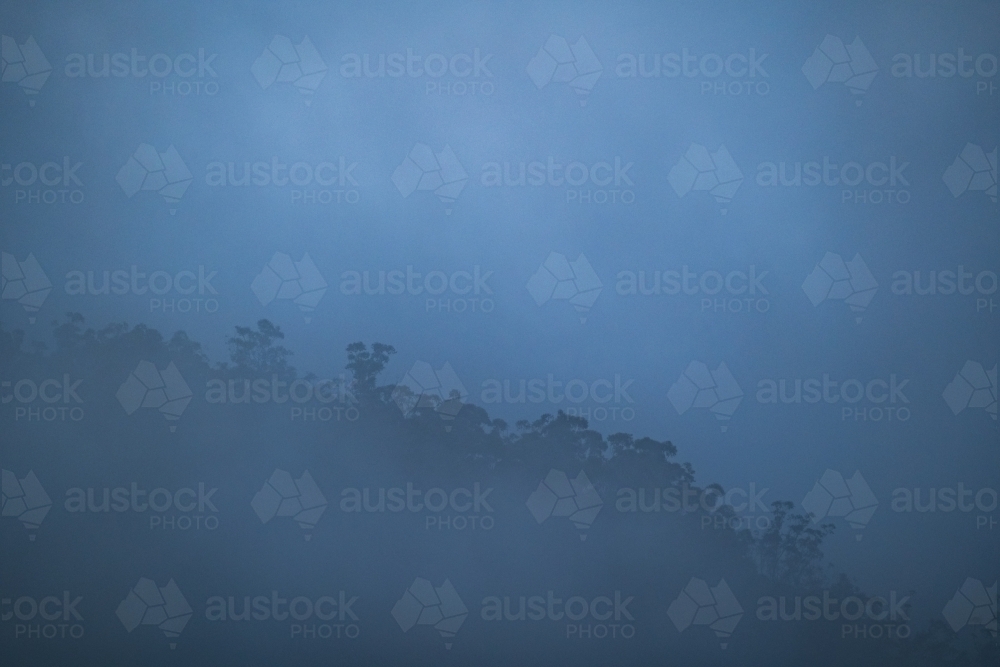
<point x="499" y="333"/>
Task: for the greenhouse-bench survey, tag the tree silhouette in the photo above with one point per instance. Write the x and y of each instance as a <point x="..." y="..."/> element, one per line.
<point x="385" y="445"/>
<point x="366" y="366"/>
<point x="788" y="551"/>
<point x="256" y="352"/>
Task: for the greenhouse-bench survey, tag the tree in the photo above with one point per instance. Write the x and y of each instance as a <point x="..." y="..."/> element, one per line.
<point x="648" y="550"/>
<point x="257" y="352"/>
<point x="788" y="551"/>
<point x="366" y="365"/>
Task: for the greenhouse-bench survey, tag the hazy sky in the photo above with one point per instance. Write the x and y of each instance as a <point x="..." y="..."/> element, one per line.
<point x="893" y="137"/>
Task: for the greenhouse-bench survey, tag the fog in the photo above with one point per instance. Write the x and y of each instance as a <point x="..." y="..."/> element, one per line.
<point x="499" y="333"/>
